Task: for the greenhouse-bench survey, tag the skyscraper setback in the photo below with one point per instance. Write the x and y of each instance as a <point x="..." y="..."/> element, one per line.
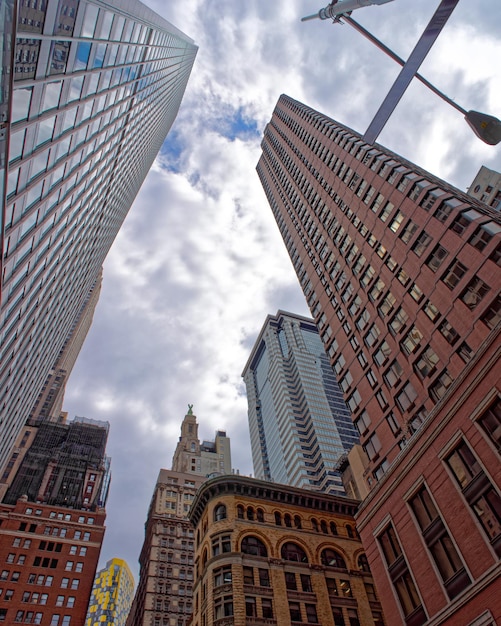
<point x="299" y="424"/>
<point x="92" y="92"/>
<point x="401" y="272"/>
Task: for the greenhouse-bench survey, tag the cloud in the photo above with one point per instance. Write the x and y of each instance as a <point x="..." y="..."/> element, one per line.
<point x="199" y="262"/>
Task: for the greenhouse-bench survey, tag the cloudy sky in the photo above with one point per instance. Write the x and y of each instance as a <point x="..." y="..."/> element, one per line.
<point x="199" y="262"/>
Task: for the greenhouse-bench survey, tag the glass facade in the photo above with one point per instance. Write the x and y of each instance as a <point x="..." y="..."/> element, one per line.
<point x="299" y="424"/>
<point x="94" y="89"/>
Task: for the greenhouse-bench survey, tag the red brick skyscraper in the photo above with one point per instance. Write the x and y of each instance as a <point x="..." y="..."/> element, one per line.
<point x="401" y="272"/>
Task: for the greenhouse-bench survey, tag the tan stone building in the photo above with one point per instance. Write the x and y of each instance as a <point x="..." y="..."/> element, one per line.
<point x="164" y="593"/>
<point x="278" y="555"/>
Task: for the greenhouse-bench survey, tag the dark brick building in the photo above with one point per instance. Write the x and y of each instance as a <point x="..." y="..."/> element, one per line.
<point x="402" y="272"/>
<point x="52" y="521"/>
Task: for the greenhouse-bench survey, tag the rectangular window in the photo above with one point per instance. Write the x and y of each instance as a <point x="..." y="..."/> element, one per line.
<point x="290" y="581"/>
<point x="436" y="258"/>
<point x="393" y="374"/>
<point x="372" y="447"/>
<point x="399" y="320"/>
<point x="363" y="422"/>
<point x="412" y="340"/>
<point x="478" y="492"/>
<point x="311" y="614"/>
<point x="295" y="611"/>
<point x="408" y="232"/>
<point x="490" y="421"/>
<point x="387" y="304"/>
<point x="377" y="289"/>
<point x="453" y="275"/>
<point x="385" y="213"/>
<point x="427" y="363"/>
<point x="421" y="243"/>
<point x="431" y="311"/>
<point x="306" y="583"/>
<point x="372" y="336"/>
<point x="439" y="387"/>
<point x="439" y="543"/>
<point x="400" y="576"/>
<point x="474" y="292"/>
<point x="222" y="576"/>
<point x="406" y="398"/>
<point x="223" y="607"/>
<point x="267" y="608"/>
<point x="264" y="577"/>
<point x="383" y="353"/>
<point x="450" y="333"/>
<point x="250" y="607"/>
<point x="492" y="315"/>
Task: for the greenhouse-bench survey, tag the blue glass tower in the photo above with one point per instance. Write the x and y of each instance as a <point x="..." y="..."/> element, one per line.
<point x="299" y="424"/>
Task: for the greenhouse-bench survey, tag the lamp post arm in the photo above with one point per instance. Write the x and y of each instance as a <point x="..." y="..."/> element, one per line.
<point x="349" y="20"/>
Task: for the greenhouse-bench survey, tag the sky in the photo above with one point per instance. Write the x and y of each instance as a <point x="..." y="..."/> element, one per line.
<point x="199" y="262"/>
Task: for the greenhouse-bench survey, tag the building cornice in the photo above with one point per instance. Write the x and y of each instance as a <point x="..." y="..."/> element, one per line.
<point x="247" y="487"/>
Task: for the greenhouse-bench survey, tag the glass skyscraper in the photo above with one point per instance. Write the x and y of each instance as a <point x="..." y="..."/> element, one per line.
<point x="88" y="94"/>
<point x="299" y="424"/>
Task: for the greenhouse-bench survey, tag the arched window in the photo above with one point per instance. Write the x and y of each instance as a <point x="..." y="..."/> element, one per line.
<point x="288" y="520"/>
<point x="278" y="519"/>
<point x="253" y="545"/>
<point x="193" y="446"/>
<point x="363" y="563"/>
<point x="323" y="526"/>
<point x="314" y="524"/>
<point x="240" y="512"/>
<point x="204" y="558"/>
<point x="333" y="528"/>
<point x="250" y="513"/>
<point x="297" y="521"/>
<point x="332" y="559"/>
<point x="260" y="515"/>
<point x="219" y="513"/>
<point x="349" y="531"/>
<point x="292" y="552"/>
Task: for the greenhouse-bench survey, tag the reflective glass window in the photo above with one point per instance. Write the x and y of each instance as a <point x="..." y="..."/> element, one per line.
<point x="45" y="130"/>
<point x="75" y="90"/>
<point x="51" y="95"/>
<point x="82" y="55"/>
<point x="39" y="163"/>
<point x="16" y="144"/>
<point x="107" y="20"/>
<point x="12" y="181"/>
<point x="21" y="100"/>
<point x="59" y="51"/>
<point x="99" y="57"/>
<point x="90" y="20"/>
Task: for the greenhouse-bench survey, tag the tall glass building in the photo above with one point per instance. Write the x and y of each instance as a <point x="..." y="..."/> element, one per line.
<point x="299" y="424"/>
<point x="89" y="90"/>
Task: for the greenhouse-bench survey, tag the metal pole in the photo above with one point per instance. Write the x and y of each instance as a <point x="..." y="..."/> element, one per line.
<point x="349" y="20"/>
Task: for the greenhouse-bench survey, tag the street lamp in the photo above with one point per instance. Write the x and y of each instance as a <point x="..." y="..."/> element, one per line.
<point x="486" y="127"/>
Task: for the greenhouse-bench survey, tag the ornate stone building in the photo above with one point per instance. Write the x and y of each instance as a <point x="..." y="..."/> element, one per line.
<point x="165" y="589"/>
<point x="278" y="555"/>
